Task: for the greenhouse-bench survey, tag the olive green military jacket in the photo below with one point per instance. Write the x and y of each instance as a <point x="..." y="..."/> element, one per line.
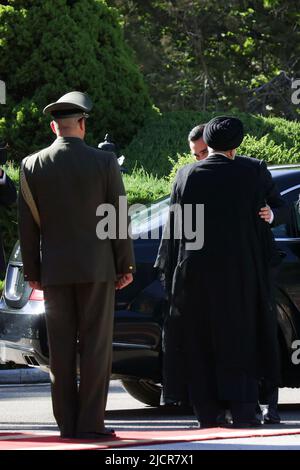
<point x="69" y="181"/>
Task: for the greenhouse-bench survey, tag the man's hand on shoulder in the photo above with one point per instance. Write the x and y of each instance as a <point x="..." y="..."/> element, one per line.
<point x="124" y="280"/>
<point x="266" y="214"/>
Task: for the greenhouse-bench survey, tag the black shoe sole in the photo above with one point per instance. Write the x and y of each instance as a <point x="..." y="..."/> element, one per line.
<point x="246" y="425"/>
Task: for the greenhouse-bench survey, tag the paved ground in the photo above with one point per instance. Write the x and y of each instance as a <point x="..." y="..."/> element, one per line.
<point x="28" y="375"/>
<point x="28" y="408"/>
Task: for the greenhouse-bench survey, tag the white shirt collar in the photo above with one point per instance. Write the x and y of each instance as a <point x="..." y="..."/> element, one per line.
<point x="220" y="153"/>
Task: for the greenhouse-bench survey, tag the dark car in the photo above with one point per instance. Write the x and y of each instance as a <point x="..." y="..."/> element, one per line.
<point x="140" y="308"/>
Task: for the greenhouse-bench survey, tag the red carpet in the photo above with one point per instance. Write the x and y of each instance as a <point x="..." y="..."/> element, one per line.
<point x="40" y="441"/>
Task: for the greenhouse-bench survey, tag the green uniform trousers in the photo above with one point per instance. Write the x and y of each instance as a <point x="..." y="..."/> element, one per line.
<point x="80" y="320"/>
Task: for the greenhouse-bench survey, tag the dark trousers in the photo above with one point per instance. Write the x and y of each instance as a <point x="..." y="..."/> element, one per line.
<point x="82" y="312"/>
<point x="268" y="390"/>
<point x="211" y="392"/>
<point x="213" y="412"/>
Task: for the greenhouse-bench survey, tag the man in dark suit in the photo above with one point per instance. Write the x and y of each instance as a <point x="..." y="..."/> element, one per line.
<point x="221" y="327"/>
<point x="196" y="143"/>
<point x="8" y="196"/>
<point x="78" y="267"/>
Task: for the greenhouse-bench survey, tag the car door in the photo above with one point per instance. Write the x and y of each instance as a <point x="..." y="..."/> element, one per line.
<point x="288" y="241"/>
<point x="287" y="287"/>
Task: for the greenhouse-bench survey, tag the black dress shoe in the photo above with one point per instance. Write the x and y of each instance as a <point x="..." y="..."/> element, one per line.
<point x="272" y="417"/>
<point x="67" y="436"/>
<point x="208" y="424"/>
<point x="224" y="419"/>
<point x="106" y="433"/>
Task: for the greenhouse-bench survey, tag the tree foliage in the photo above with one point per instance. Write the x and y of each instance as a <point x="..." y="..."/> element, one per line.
<point x="208" y="55"/>
<point x="50" y="47"/>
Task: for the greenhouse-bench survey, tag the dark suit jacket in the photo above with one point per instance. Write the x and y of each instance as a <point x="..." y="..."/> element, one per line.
<point x="69" y="180"/>
<point x="8" y="196"/>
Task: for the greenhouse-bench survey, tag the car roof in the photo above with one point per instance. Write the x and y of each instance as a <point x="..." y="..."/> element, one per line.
<point x="286" y="176"/>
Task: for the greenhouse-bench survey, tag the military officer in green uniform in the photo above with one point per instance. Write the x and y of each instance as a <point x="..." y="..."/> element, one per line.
<point x="61" y="188"/>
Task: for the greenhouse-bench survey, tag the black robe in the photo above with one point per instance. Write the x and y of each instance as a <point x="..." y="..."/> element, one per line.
<point x="220" y="323"/>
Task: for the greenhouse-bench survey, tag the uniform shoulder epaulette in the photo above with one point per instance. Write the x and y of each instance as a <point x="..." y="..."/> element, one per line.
<point x="30" y="157"/>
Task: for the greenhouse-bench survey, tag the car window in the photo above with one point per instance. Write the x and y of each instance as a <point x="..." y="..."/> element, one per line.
<point x="292" y="228"/>
<point x="281" y="231"/>
<point x="150" y="217"/>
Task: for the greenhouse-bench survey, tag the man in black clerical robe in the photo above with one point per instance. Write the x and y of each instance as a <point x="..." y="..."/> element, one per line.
<point x="221" y="331"/>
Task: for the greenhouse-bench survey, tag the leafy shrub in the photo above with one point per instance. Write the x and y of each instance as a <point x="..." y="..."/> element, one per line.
<point x="159" y="144"/>
<point x="51" y="47"/>
<point x="143" y="187"/>
<point x="266" y="149"/>
<point x="182" y="160"/>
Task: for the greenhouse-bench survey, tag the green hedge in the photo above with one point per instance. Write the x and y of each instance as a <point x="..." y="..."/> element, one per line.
<point x="50" y="47"/>
<point x="164" y="138"/>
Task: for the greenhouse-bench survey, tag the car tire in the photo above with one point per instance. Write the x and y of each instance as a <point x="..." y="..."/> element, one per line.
<point x="145" y="391"/>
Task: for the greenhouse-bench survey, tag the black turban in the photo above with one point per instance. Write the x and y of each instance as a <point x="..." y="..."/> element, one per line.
<point x="223" y="133"/>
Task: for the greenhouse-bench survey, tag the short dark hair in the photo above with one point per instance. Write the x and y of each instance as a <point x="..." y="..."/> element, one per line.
<point x="196" y="133"/>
